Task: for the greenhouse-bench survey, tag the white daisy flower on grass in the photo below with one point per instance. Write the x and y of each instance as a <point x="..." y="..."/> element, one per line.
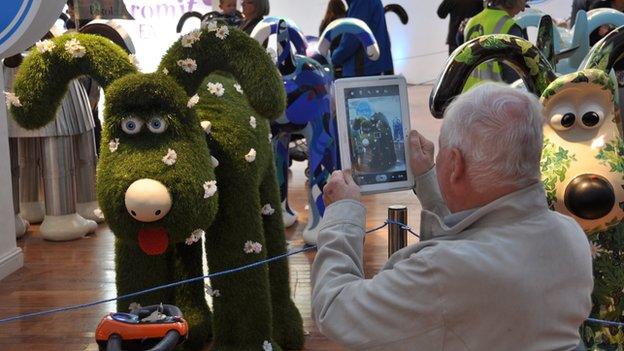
<point x="74" y="47"/>
<point x="238" y="88"/>
<point x="193" y="101"/>
<point x="212" y="292"/>
<point x="210" y="188"/>
<point x="44" y="46"/>
<point x="188" y="65"/>
<point x="12" y="99"/>
<point x="251" y="155"/>
<point x="189" y="39"/>
<point x="216" y="89"/>
<point x="206" y="126"/>
<point x="170" y="158"/>
<point x="165" y="71"/>
<point x="596" y="250"/>
<point x="252" y="247"/>
<point x="252" y="122"/>
<point x="267" y="210"/>
<point x="113" y="144"/>
<point x="195" y="236"/>
<point x="212" y="26"/>
<point x="222" y="32"/>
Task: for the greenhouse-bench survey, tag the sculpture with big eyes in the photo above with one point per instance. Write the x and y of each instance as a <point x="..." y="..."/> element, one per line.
<point x="171" y="139"/>
<point x="582" y="167"/>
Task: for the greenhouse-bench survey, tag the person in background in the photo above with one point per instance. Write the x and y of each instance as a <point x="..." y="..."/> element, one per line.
<point x="602" y="31"/>
<point x="228" y="7"/>
<point x="614" y="4"/>
<point x="253" y="12"/>
<point x="495" y="268"/>
<point x="336" y="9"/>
<point x="578" y="5"/>
<point x="459" y="10"/>
<point x="496" y="18"/>
<point x="350" y="54"/>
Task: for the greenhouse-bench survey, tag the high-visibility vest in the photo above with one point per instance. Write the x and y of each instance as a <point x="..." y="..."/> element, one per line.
<point x="488" y="21"/>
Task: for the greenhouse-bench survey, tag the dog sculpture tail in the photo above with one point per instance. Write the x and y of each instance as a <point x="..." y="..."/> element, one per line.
<point x="190" y="60"/>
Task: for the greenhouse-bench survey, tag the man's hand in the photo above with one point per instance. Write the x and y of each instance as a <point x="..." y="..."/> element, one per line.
<point x="421" y="153"/>
<point x="340" y="186"/>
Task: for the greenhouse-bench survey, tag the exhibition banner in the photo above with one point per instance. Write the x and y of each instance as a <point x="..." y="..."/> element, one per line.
<point x="100" y="9"/>
<point x="153" y="29"/>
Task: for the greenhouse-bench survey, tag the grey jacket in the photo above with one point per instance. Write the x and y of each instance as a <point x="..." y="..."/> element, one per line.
<point x="512" y="275"/>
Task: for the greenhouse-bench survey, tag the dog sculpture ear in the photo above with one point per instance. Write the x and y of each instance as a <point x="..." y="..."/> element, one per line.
<point x="221" y="48"/>
<point x="606" y="52"/>
<point x="520" y="54"/>
<point x="185" y="17"/>
<point x="42" y="79"/>
<point x="112" y="30"/>
<point x="353" y="26"/>
<point x="270" y="25"/>
<point x="546" y="39"/>
<point x="399" y="11"/>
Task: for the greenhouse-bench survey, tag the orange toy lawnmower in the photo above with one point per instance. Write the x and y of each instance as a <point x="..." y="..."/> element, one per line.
<point x="152" y="328"/>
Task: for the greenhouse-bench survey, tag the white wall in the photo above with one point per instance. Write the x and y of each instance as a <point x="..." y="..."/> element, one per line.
<point x="418" y="48"/>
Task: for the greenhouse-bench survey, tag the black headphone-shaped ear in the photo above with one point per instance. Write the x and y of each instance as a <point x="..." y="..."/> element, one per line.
<point x="185" y="17"/>
<point x="520" y="54"/>
<point x="112" y="30"/>
<point x="399" y="11"/>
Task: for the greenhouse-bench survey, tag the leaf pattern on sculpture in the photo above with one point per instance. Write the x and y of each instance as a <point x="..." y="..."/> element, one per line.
<point x="612" y="155"/>
<point x="554" y="165"/>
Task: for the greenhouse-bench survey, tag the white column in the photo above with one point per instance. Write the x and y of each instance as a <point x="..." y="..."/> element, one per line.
<point x="11" y="257"/>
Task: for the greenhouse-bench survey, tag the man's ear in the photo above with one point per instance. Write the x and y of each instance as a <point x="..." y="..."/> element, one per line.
<point x="457" y="165"/>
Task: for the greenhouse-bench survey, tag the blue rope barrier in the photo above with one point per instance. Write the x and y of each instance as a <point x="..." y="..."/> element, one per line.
<point x="171" y="285"/>
<point x="604" y="322"/>
<point x="226" y="272"/>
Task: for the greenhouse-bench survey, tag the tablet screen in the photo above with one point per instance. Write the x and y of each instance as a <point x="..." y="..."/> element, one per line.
<point x="376" y="134"/>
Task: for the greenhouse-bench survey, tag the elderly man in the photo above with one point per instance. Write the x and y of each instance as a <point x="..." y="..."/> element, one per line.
<point x="495" y="268"/>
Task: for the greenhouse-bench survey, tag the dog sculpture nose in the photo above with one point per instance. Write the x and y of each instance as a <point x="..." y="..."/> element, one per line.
<point x="147" y="200"/>
<point x="589" y="196"/>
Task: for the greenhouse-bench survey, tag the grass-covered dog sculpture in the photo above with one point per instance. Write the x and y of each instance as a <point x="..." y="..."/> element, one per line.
<point x="157" y="182"/>
<point x="582" y="160"/>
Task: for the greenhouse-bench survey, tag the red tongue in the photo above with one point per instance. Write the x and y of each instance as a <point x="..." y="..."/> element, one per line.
<point x="153" y="241"/>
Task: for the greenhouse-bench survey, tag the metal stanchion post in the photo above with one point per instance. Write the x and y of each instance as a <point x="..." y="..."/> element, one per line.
<point x="397" y="235"/>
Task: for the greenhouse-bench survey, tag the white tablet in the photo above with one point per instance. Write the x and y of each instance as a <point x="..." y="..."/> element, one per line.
<point x="373" y="121"/>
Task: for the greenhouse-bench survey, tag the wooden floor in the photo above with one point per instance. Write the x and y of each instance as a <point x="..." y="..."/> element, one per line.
<point x="61" y="274"/>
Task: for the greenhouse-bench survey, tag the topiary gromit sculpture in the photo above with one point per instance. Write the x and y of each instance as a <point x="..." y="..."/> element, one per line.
<point x="157" y="182"/>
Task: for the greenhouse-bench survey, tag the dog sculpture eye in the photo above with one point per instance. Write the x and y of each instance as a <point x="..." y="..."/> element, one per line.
<point x="131" y="125"/>
<point x="157" y="125"/>
<point x="563" y="121"/>
<point x="591" y="120"/>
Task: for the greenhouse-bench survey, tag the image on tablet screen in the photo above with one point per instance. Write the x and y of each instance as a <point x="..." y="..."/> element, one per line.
<point x="376" y="134"/>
